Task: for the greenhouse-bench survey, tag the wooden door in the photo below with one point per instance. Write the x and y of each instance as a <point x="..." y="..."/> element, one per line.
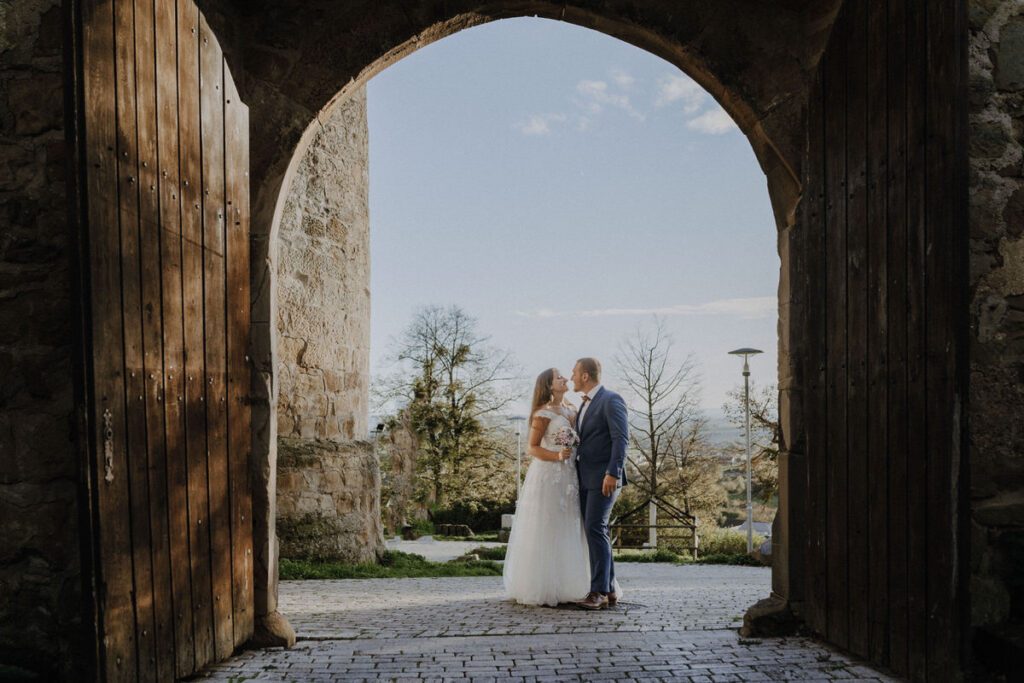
<point x="884" y="212"/>
<point x="164" y="149"/>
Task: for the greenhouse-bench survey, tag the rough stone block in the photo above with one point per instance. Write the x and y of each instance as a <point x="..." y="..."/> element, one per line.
<point x="33" y="101"/>
<point x="1009" y="63"/>
<point x="328" y="498"/>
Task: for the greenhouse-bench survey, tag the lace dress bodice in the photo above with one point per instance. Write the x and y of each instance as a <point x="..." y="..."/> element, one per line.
<point x="557" y="476"/>
<point x="556" y="421"/>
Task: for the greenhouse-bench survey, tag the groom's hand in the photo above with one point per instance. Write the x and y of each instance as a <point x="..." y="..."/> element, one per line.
<point x="608" y="485"/>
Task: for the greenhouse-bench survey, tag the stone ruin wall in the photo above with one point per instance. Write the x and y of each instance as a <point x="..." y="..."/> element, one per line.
<point x="40" y="574"/>
<point x="996" y="416"/>
<point x="328" y="500"/>
<point x="328" y="486"/>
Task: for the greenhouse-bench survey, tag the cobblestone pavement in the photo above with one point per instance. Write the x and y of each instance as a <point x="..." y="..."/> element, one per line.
<point x="674" y="623"/>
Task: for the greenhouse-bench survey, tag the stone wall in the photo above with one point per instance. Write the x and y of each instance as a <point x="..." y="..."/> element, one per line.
<point x="328" y="500"/>
<point x="997" y="310"/>
<point x="323" y="284"/>
<point x="328" y="479"/>
<point x="40" y="582"/>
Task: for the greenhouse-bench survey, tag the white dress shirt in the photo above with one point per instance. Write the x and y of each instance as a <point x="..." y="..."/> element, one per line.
<point x="586" y="404"/>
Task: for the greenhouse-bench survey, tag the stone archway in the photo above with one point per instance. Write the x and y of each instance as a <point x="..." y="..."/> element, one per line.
<point x="815" y="124"/>
<point x="762" y="86"/>
<point x="763" y="61"/>
<point x="765" y="66"/>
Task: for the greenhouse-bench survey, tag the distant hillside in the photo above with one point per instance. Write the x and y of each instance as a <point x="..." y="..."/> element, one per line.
<point x="721" y="431"/>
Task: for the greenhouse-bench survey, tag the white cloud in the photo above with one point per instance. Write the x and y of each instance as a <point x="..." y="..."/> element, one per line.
<point x="539" y="124"/>
<point x="622" y="78"/>
<point x="680" y="88"/>
<point x="713" y="122"/>
<point x="596" y="95"/>
<point x="540" y="313"/>
<point x="748" y="308"/>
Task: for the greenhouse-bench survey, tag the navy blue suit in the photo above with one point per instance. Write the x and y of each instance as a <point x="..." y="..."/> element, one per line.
<point x="604" y="435"/>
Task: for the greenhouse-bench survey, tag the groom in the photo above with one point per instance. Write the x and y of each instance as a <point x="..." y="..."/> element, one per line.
<point x="603" y="427"/>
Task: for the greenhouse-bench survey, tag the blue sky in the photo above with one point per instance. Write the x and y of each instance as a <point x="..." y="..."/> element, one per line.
<point x="563" y="187"/>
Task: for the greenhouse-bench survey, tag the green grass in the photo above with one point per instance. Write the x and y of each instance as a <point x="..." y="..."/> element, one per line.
<point x="399" y="565"/>
<point x="492" y="553"/>
<point x="394" y="565"/>
<point x="737" y="559"/>
<point x="666" y="555"/>
<point x="659" y="555"/>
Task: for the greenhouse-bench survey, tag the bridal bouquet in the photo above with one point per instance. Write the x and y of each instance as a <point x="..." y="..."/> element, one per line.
<point x="566" y="437"/>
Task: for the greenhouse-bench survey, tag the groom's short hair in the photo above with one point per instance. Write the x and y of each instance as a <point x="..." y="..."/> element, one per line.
<point x="592" y="367"/>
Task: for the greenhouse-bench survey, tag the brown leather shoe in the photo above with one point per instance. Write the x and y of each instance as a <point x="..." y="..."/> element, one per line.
<point x="593" y="601"/>
<point x="612" y="600"/>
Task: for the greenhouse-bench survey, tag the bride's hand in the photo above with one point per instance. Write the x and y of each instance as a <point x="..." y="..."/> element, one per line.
<point x="564" y="454"/>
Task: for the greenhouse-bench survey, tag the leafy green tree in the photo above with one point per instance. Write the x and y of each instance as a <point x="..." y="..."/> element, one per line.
<point x="446" y="383"/>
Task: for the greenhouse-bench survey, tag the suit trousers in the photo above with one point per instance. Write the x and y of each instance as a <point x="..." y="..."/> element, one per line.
<point x="596" y="509"/>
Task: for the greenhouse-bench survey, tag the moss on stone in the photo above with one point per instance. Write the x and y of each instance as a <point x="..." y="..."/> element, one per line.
<point x="310" y="537"/>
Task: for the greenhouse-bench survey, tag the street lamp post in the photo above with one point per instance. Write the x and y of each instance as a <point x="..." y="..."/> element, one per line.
<point x="518" y="420"/>
<point x="746" y="353"/>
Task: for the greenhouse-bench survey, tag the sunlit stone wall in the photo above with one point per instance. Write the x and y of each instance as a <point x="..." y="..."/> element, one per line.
<point x="328" y="478"/>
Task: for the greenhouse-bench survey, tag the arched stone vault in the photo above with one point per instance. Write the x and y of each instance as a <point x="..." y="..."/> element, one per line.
<point x="293" y="59"/>
<point x="299" y="60"/>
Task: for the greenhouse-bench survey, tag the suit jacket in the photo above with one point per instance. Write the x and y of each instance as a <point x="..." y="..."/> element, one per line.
<point x="604" y="436"/>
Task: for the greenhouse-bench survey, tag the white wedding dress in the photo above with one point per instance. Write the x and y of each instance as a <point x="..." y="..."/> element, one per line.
<point x="547" y="562"/>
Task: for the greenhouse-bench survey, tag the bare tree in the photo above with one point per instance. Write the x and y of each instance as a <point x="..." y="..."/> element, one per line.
<point x="447" y="380"/>
<point x="668" y="431"/>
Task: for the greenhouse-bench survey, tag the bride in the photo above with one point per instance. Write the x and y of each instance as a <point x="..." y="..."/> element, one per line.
<point x="547" y="561"/>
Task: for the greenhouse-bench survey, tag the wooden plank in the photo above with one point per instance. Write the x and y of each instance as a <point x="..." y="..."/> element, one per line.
<point x="897" y="436"/>
<point x="917" y="453"/>
<point x="162" y="665"/>
<point x="835" y="288"/>
<point x="856" y="327"/>
<point x="236" y="176"/>
<point x="815" y="395"/>
<point x="135" y="387"/>
<point x="116" y="612"/>
<point x="189" y="123"/>
<point x="174" y="354"/>
<point x="211" y="75"/>
<point x="942" y="294"/>
<point x="877" y="337"/>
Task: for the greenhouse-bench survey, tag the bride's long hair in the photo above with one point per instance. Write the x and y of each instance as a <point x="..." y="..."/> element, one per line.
<point x="542" y="393"/>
